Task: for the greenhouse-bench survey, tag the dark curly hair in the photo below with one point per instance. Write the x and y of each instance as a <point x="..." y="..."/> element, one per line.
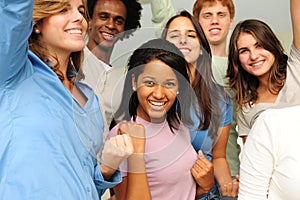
<point x="132" y="22"/>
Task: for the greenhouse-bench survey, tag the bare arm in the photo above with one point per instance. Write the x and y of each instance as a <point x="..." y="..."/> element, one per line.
<point x="135" y="185"/>
<point x="295" y="15"/>
<point x="221" y="169"/>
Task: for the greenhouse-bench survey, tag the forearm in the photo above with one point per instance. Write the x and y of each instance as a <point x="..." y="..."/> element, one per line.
<point x="221" y="171"/>
<point x="162" y="10"/>
<point x="294" y="7"/>
<point x="137" y="183"/>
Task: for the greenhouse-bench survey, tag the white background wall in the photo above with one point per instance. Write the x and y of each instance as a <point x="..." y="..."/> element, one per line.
<point x="273" y="12"/>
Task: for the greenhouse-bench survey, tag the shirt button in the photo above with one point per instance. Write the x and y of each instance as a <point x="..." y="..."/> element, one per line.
<point x="88" y="189"/>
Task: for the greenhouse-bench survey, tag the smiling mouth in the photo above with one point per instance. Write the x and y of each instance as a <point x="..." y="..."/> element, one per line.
<point x="107" y="36"/>
<point x="215" y="30"/>
<point x="74" y="31"/>
<point x="155" y="103"/>
<point x="185" y="51"/>
<point x="257" y="63"/>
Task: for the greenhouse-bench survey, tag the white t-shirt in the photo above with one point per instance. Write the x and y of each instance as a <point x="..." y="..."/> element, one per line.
<point x="270" y="160"/>
<point x="107" y="82"/>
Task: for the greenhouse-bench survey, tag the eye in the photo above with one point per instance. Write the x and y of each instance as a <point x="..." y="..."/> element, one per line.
<point x="259" y="46"/>
<point x="192" y="36"/>
<point x="222" y="14"/>
<point x="149" y="83"/>
<point x="64" y="10"/>
<point x="206" y="16"/>
<point x="241" y="51"/>
<point x="81" y="11"/>
<point x="103" y="17"/>
<point x="119" y="21"/>
<point x="172" y="36"/>
<point x="169" y="84"/>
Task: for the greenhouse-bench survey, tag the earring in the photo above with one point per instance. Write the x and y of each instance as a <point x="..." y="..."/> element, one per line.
<point x="37" y="31"/>
<point x="177" y="93"/>
<point x="133" y="88"/>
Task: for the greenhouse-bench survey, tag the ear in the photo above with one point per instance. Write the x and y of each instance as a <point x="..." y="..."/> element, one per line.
<point x="90" y="25"/>
<point x="231" y="23"/>
<point x="133" y="83"/>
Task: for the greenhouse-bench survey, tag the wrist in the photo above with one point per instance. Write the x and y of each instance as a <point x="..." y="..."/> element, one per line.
<point x="106" y="172"/>
<point x="136" y="163"/>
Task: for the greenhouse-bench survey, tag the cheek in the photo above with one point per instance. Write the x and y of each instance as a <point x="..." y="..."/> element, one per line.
<point x="243" y="58"/>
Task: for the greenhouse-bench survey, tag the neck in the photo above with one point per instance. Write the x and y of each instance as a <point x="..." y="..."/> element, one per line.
<point x="101" y="53"/>
<point x="219" y="49"/>
<point x="263" y="82"/>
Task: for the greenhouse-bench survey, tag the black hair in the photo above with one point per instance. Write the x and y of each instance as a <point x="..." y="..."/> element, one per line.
<point x="132" y="21"/>
<point x="168" y="53"/>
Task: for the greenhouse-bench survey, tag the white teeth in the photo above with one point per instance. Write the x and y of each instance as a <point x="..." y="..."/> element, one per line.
<point x="108" y="35"/>
<point x="184" y="50"/>
<point x="157" y="103"/>
<point x="258" y="63"/>
<point x="75" y="31"/>
<point x="214" y="30"/>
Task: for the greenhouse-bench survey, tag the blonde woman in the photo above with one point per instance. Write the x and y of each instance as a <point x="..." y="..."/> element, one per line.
<point x="51" y="127"/>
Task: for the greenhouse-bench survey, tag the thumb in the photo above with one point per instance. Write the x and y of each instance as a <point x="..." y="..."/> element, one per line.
<point x="200" y="153"/>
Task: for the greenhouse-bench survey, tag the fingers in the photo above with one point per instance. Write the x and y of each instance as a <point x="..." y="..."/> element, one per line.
<point x="124" y="143"/>
<point x="133" y="129"/>
<point x="115" y="150"/>
<point x="202" y="171"/>
<point x="137" y="134"/>
<point x="230" y="189"/>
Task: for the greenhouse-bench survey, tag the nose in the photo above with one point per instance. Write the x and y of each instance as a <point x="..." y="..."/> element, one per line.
<point x="158" y="91"/>
<point x="182" y="39"/>
<point x="253" y="55"/>
<point x="77" y="16"/>
<point x="214" y="19"/>
<point x="110" y="24"/>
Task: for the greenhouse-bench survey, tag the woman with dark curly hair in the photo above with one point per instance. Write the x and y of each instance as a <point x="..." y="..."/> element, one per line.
<point x="260" y="72"/>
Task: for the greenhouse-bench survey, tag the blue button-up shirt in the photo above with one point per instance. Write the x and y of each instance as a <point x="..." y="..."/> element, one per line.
<point x="48" y="141"/>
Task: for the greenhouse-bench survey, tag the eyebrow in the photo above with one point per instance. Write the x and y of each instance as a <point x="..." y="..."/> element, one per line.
<point x="154" y="78"/>
<point x="107" y="13"/>
<point x="176" y="31"/>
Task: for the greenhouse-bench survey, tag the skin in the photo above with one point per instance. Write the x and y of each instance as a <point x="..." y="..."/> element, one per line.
<point x="156" y="90"/>
<point x="62" y="34"/>
<point x="106" y="27"/>
<point x="158" y="83"/>
<point x="216" y="22"/>
<point x="182" y="33"/>
<point x="253" y="57"/>
<point x="203" y="170"/>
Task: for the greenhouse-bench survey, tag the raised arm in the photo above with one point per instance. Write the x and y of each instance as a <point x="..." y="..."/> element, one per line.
<point x="162" y="10"/>
<point x="16" y="26"/>
<point x="295" y="14"/>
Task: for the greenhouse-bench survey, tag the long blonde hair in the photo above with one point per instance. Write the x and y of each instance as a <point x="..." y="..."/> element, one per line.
<point x="41" y="10"/>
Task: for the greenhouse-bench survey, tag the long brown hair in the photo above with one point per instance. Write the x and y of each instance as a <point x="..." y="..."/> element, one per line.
<point x="246" y="84"/>
<point x="207" y="92"/>
<point x="41" y="10"/>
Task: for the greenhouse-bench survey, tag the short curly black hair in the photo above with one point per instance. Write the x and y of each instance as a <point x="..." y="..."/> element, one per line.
<point x="132" y="22"/>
